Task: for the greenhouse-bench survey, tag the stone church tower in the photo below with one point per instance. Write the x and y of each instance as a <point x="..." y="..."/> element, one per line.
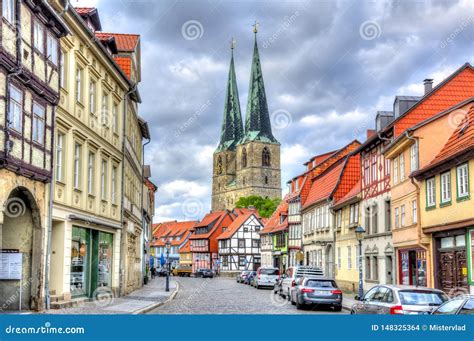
<point x="246" y="162"/>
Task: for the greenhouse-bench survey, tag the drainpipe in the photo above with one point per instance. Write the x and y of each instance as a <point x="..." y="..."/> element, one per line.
<point x="418" y="207"/>
<point x="147" y="249"/>
<point x="122" y="214"/>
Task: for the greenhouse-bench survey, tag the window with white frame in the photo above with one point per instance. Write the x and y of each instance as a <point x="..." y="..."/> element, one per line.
<point x="349" y="257"/>
<point x="38" y="123"/>
<point x="402" y="167"/>
<point x="430" y="192"/>
<point x="338" y="218"/>
<point x="59" y="156"/>
<point x="103" y="180"/>
<point x="354" y="214"/>
<point x="414" y="157"/>
<point x="62" y="69"/>
<point x="8" y="10"/>
<point x="52" y="48"/>
<point x="38" y="36"/>
<point x="462" y="181"/>
<point x="90" y="173"/>
<point x="114" y="185"/>
<point x="402" y="215"/>
<point x="374" y="167"/>
<point x="15" y="115"/>
<point x="115" y="118"/>
<point x="92" y="100"/>
<point x="77" y="165"/>
<point x="395" y="171"/>
<point x="397" y="217"/>
<point x="414" y="212"/>
<point x="445" y="187"/>
<point x="79" y="85"/>
<point x="105" y="110"/>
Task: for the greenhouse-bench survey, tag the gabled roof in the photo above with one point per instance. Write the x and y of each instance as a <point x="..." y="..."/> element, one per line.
<point x="90" y="13"/>
<point x="352" y="194"/>
<point x="274" y="223"/>
<point x="351" y="174"/>
<point x="324" y="185"/>
<point x="125" y="42"/>
<point x="172" y="229"/>
<point x="212" y="220"/>
<point x="461" y="141"/>
<point x="186" y="248"/>
<point x="236" y="224"/>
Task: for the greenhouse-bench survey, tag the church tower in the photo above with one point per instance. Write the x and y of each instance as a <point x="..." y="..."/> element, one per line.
<point x="246" y="162"/>
<point x="258" y="152"/>
<point x="224" y="161"/>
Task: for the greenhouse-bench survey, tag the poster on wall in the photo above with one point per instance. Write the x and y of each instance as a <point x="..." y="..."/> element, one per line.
<point x="10" y="265"/>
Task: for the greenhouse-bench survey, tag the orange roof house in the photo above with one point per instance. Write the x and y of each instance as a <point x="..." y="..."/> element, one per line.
<point x="174" y="232"/>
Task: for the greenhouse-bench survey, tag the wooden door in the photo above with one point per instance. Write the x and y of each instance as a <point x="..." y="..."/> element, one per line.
<point x="453" y="275"/>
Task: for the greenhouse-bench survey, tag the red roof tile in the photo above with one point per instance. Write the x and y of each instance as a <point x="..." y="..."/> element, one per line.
<point x="125" y="42"/>
<point x="350" y="176"/>
<point x="186" y="248"/>
<point x="229" y="232"/>
<point x="354" y="192"/>
<point x="324" y="185"/>
<point x="274" y="223"/>
<point x="214" y="219"/>
<point x="84" y="10"/>
<point x="172" y="229"/>
<point x="125" y="64"/>
<point x="456" y="88"/>
<point x="460" y="141"/>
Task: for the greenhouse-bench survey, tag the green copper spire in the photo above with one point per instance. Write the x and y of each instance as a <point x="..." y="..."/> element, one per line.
<point x="232" y="128"/>
<point x="257" y="121"/>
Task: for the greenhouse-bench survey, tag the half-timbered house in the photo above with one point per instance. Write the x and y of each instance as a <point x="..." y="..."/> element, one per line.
<point x="204" y="239"/>
<point x="29" y="93"/>
<point x="239" y="244"/>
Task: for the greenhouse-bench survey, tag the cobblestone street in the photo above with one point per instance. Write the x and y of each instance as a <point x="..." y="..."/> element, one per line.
<point x="225" y="296"/>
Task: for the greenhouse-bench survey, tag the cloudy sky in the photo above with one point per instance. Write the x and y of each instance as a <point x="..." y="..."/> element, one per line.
<point x="328" y="67"/>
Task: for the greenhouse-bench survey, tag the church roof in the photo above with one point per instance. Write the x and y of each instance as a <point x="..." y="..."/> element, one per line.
<point x="257" y="122"/>
<point x="232" y="128"/>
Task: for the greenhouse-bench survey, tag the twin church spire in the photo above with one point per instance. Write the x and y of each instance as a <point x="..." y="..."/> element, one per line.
<point x="257" y="123"/>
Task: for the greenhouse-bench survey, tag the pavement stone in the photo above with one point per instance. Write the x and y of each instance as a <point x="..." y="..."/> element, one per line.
<point x="148" y="297"/>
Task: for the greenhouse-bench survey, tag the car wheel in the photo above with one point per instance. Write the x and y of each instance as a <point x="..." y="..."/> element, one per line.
<point x="256" y="286"/>
<point x="299" y="306"/>
<point x="337" y="308"/>
<point x="292" y="302"/>
<point x="353" y="312"/>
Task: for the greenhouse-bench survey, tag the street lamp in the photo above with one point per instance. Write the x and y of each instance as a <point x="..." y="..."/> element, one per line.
<point x="168" y="247"/>
<point x="359" y="232"/>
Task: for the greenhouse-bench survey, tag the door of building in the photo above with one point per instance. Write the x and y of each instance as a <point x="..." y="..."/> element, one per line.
<point x="453" y="274"/>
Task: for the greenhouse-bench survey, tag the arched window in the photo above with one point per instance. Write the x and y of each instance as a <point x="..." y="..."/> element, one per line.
<point x="244" y="158"/>
<point x="219" y="165"/>
<point x="266" y="157"/>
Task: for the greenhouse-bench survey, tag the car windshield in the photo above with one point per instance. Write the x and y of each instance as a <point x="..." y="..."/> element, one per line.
<point x="321" y="283"/>
<point x="274" y="272"/>
<point x="413" y="297"/>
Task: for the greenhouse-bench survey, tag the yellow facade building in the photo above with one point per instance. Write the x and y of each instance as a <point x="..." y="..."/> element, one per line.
<point x="407" y="154"/>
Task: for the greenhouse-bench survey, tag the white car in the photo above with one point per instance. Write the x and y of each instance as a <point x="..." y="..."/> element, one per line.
<point x="295" y="272"/>
<point x="266" y="277"/>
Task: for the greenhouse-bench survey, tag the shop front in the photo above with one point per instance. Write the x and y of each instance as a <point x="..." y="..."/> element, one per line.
<point x="470" y="259"/>
<point x="451" y="261"/>
<point x="91" y="261"/>
<point x="412" y="267"/>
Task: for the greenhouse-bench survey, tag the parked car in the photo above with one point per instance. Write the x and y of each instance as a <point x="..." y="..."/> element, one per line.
<point x="399" y="300"/>
<point x="241" y="276"/>
<point x="295" y="272"/>
<point x="250" y="276"/>
<point x="266" y="277"/>
<point x="316" y="291"/>
<point x="461" y="305"/>
<point x="204" y="273"/>
<point x="182" y="271"/>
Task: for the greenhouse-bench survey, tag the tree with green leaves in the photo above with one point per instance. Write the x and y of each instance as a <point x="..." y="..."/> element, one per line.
<point x="265" y="206"/>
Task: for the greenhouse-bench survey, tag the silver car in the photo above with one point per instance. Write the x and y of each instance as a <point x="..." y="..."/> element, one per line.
<point x="266" y="277"/>
<point x="295" y="272"/>
<point x="399" y="300"/>
<point x="316" y="291"/>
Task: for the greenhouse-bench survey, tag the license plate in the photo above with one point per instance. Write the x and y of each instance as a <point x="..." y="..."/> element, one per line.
<point x="322" y="293"/>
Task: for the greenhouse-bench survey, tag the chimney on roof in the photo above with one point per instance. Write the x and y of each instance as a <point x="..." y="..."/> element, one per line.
<point x="370" y="133"/>
<point x="428" y="85"/>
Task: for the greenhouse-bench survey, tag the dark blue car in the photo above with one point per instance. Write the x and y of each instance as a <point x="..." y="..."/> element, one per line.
<point x="249" y="277"/>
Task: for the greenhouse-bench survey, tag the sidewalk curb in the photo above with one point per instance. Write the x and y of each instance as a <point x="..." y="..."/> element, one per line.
<point x="156" y="305"/>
